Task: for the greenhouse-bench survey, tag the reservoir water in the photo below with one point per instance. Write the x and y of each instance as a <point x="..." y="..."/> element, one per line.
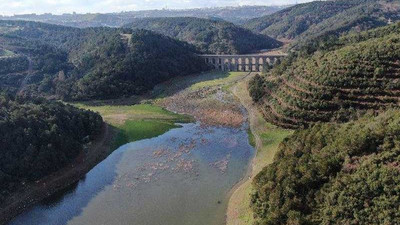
<point x="181" y="177"/>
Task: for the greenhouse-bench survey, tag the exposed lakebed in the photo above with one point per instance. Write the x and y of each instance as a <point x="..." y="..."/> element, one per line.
<point x="183" y="176"/>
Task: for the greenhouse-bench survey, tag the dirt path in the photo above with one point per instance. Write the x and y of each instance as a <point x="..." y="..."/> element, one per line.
<point x="28" y="75"/>
<point x="239" y="194"/>
<point x="246" y="101"/>
<point x="36" y="192"/>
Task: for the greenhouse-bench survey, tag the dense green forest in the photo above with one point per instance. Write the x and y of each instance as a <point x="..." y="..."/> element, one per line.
<point x="93" y="63"/>
<point x="38" y="137"/>
<point x="336" y="80"/>
<point x="209" y="36"/>
<point x="335" y="171"/>
<point x="13" y="64"/>
<point x="305" y="22"/>
<point x="334" y="174"/>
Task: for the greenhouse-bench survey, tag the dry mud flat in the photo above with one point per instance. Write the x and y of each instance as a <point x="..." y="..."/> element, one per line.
<point x="212" y="105"/>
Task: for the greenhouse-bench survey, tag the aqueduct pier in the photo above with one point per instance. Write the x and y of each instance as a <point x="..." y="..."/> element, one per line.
<point x="251" y="63"/>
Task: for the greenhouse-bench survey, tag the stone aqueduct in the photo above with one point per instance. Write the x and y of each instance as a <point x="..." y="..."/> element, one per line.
<point x="251" y="63"/>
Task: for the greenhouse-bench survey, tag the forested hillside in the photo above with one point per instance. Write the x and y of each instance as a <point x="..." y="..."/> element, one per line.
<point x="92" y="63"/>
<point x="334" y="174"/>
<point x="38" y="137"/>
<point x="209" y="36"/>
<point x="341" y="79"/>
<point x="305" y="22"/>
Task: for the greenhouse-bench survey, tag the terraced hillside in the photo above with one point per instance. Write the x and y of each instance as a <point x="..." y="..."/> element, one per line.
<point x="334" y="174"/>
<point x="359" y="73"/>
<point x="209" y="36"/>
<point x="305" y="22"/>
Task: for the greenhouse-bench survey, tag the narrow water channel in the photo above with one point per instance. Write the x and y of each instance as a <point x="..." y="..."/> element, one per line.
<point x="179" y="178"/>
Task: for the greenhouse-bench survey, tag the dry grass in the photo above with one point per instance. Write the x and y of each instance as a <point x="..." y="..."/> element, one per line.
<point x="117" y="115"/>
<point x="207" y="99"/>
<point x="209" y="105"/>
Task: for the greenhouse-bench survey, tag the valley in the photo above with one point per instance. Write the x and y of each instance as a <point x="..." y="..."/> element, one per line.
<point x="218" y="119"/>
<point x="242" y="115"/>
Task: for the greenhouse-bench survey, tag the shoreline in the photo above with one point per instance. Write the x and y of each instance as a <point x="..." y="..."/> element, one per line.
<point x="250" y="167"/>
<point x="249" y="174"/>
<point x="246" y="178"/>
<point x="36" y="192"/>
<point x="238" y="211"/>
<point x="33" y="193"/>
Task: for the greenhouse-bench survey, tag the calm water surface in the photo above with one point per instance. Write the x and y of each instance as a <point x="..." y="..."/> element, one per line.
<point x="182" y="177"/>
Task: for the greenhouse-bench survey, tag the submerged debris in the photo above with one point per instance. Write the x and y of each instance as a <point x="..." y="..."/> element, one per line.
<point x="165" y="160"/>
<point x="222" y="165"/>
<point x="184" y="166"/>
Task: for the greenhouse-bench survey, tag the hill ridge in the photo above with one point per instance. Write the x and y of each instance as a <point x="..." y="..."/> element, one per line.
<point x="209" y="36"/>
<point x="311" y="21"/>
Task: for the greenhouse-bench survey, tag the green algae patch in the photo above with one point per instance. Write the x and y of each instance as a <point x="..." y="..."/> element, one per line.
<point x="252" y="138"/>
<point x="138" y="130"/>
<point x="137" y="122"/>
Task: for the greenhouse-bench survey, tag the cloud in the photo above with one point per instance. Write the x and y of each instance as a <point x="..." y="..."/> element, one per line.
<point x="11" y="7"/>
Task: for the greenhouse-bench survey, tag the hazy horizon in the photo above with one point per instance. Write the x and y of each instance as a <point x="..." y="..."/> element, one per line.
<point x="18" y="7"/>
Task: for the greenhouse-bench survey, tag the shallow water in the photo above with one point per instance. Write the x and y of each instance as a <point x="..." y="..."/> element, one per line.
<point x="181" y="177"/>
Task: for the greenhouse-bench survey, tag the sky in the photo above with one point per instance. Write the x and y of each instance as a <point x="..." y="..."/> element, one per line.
<point x="11" y="7"/>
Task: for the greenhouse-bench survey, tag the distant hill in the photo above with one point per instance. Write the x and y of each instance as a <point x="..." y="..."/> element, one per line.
<point x="232" y="14"/>
<point x="333" y="174"/>
<point x="209" y="36"/>
<point x="353" y="74"/>
<point x="92" y="63"/>
<point x="308" y="21"/>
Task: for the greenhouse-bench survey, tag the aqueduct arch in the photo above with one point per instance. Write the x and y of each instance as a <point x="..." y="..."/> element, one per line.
<point x="250" y="63"/>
